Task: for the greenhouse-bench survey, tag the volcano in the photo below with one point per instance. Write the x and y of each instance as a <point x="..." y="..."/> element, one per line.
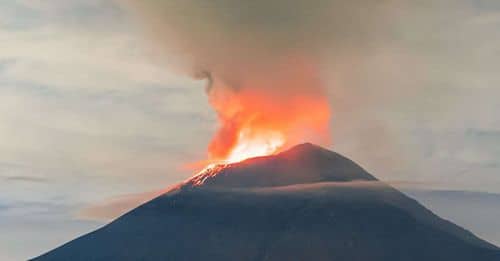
<point x="306" y="203"/>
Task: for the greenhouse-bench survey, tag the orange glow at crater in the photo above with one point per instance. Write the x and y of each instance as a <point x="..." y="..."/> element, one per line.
<point x="265" y="114"/>
<point x="249" y="146"/>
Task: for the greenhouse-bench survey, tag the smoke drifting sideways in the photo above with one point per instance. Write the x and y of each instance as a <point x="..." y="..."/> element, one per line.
<point x="263" y="62"/>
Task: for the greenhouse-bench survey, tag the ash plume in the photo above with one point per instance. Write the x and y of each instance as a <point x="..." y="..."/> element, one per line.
<point x="235" y="40"/>
<point x="262" y="58"/>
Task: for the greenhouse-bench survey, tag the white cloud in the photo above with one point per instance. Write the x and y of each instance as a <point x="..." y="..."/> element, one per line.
<point x="66" y="58"/>
<point x="83" y="100"/>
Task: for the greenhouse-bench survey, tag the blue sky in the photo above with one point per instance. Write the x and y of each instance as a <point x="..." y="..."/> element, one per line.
<point x="90" y="114"/>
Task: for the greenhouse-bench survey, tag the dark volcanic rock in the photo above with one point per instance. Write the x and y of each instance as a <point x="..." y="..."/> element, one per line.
<point x="307" y="203"/>
<point x="302" y="164"/>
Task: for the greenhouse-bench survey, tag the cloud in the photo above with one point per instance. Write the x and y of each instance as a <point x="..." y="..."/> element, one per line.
<point x="27" y="179"/>
<point x="84" y="105"/>
<point x="69" y="60"/>
<point x="474" y="211"/>
<point x="81" y="96"/>
<point x="114" y="207"/>
<point x="31" y="227"/>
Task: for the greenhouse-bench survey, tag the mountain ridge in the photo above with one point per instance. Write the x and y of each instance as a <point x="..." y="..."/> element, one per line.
<point x="306" y="203"/>
<point x="302" y="164"/>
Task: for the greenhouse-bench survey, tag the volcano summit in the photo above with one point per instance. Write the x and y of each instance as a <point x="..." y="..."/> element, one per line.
<point x="306" y="203"/>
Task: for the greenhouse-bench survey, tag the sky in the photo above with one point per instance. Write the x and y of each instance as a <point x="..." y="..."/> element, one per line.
<point x="93" y="120"/>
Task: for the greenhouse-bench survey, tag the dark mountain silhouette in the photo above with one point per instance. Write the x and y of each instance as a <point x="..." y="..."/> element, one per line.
<point x="306" y="203"/>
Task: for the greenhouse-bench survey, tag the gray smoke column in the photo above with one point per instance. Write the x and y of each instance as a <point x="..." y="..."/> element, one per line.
<point x="232" y="38"/>
<point x="263" y="59"/>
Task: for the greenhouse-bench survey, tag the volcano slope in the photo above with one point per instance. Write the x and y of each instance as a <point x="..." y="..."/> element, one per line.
<point x="306" y="203"/>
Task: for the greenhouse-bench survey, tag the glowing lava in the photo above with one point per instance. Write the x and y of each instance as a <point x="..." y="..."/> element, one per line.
<point x="256" y="124"/>
<point x="258" y="117"/>
<point x="249" y="145"/>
